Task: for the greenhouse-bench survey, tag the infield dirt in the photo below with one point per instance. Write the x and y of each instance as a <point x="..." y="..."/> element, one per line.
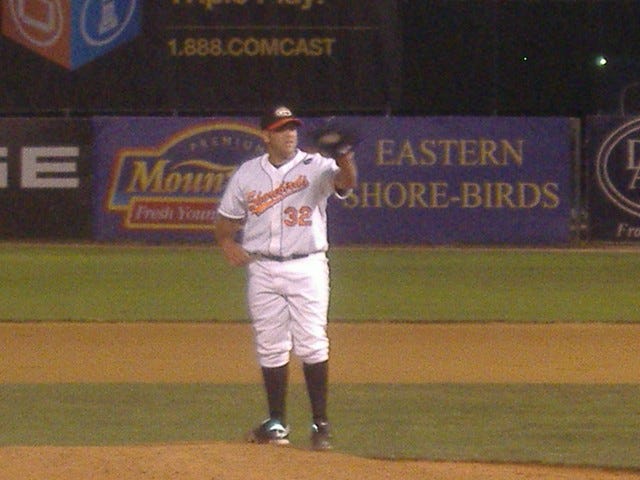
<point x="413" y="353"/>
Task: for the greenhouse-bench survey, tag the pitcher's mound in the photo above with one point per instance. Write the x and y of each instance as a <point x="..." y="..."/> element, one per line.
<point x="227" y="461"/>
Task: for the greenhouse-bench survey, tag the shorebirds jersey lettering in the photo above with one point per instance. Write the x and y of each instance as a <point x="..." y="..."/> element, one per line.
<point x="284" y="208"/>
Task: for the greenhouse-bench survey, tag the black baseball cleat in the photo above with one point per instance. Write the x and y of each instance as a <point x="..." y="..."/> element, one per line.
<point x="270" y="431"/>
<point x="321" y="436"/>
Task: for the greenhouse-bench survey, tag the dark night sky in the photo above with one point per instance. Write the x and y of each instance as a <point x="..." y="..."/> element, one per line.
<point x="519" y="57"/>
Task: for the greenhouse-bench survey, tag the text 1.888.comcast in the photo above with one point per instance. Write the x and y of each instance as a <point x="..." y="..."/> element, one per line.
<point x="252" y="47"/>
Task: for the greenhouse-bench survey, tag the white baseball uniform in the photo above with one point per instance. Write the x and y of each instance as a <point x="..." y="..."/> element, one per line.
<point x="285" y="230"/>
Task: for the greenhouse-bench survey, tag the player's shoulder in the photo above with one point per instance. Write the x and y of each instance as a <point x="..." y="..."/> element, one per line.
<point x="314" y="158"/>
<point x="250" y="165"/>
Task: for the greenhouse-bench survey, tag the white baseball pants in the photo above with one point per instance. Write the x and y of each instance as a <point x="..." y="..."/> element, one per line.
<point x="288" y="303"/>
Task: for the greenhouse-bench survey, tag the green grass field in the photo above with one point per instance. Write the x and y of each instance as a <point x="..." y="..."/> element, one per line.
<point x="595" y="425"/>
<point x="107" y="283"/>
<point x="552" y="424"/>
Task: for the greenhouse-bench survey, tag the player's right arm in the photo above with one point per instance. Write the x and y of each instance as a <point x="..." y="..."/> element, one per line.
<point x="225" y="232"/>
<point x="230" y="219"/>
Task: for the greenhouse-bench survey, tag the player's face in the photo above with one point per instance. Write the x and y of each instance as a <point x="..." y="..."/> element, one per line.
<point x="283" y="142"/>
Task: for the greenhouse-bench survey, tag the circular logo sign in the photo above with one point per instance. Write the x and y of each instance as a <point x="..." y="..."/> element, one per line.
<point x="618" y="167"/>
<point x="38" y="21"/>
<point x="102" y="21"/>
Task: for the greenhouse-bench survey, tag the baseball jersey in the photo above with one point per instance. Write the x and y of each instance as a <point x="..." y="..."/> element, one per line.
<point x="284" y="208"/>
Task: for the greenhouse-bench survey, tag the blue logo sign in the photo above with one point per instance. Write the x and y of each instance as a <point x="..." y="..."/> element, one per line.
<point x="102" y="25"/>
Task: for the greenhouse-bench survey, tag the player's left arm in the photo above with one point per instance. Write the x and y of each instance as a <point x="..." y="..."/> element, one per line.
<point x="347" y="176"/>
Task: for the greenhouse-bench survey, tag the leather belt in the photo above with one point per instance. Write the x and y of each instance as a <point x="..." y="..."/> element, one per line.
<point x="278" y="258"/>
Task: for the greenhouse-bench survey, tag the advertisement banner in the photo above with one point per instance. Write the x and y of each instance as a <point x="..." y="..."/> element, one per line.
<point x="160" y="179"/>
<point x="45" y="178"/>
<point x="119" y="56"/>
<point x="441" y="180"/>
<point x="450" y="180"/>
<point x="612" y="156"/>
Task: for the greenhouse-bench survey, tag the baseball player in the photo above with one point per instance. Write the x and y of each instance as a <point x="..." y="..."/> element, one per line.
<point x="279" y="202"/>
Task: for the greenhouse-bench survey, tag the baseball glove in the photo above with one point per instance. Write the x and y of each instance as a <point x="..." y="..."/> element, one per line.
<point x="334" y="141"/>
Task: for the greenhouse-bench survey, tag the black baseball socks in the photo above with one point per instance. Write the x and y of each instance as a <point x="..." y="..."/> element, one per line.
<point x="275" y="384"/>
<point x="316" y="376"/>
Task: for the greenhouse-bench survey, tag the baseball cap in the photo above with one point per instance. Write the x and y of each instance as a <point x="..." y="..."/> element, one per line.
<point x="276" y="117"/>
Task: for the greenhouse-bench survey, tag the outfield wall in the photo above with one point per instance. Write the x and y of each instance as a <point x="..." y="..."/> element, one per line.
<point x="423" y="180"/>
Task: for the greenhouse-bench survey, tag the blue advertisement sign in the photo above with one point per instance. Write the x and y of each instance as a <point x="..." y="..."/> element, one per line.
<point x="459" y="180"/>
<point x="160" y="179"/>
<point x="422" y="180"/>
<point x="612" y="154"/>
<point x="101" y="25"/>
